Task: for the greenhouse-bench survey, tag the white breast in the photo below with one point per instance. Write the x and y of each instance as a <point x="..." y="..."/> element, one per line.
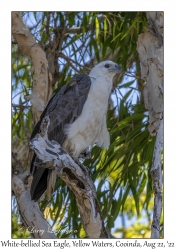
<point x="85" y="130"/>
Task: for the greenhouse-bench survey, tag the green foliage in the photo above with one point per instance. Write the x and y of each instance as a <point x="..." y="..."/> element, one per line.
<point x="18" y="230"/>
<point x="121" y="174"/>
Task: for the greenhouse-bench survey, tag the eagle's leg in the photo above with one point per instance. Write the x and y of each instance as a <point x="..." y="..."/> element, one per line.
<point x="86" y="170"/>
<point x="86" y="154"/>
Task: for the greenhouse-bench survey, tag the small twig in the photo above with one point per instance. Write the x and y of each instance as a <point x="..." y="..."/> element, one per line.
<point x="47" y="26"/>
<point x="132" y="74"/>
<point x="18" y="94"/>
<point x="68" y="61"/>
<point x="21" y="106"/>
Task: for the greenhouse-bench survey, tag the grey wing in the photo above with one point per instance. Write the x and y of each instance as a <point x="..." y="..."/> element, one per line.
<point x="63" y="108"/>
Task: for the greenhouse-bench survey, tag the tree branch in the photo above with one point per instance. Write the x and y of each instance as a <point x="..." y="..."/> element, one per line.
<point x="54" y="157"/>
<point x="69" y="60"/>
<point x="21" y="105"/>
<point x="150" y="49"/>
<point x="29" y="210"/>
<point x="156" y="173"/>
<point x="42" y="90"/>
<point x="29" y="45"/>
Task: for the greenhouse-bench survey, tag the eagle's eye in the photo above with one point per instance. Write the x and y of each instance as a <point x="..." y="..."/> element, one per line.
<point x="107" y="65"/>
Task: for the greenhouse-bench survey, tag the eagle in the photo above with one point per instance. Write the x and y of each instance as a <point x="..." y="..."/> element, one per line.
<point x="77" y="115"/>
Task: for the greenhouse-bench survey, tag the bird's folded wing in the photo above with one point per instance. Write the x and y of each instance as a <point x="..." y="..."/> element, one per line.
<point x="63" y="108"/>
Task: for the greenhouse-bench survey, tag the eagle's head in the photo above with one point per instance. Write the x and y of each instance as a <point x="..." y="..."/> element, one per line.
<point x="106" y="69"/>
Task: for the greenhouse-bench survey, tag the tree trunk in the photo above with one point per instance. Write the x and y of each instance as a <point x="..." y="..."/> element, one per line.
<point x="42" y="89"/>
<point x="150" y="49"/>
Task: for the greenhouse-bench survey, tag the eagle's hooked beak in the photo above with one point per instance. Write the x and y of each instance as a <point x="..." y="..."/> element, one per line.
<point x="116" y="68"/>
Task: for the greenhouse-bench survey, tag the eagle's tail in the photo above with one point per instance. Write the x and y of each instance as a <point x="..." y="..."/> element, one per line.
<point x="40" y="179"/>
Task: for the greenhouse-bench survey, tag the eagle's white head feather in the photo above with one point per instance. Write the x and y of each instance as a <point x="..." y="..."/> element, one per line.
<point x="106" y="69"/>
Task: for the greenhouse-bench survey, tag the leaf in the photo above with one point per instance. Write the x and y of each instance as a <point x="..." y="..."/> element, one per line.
<point x="142" y="184"/>
<point x="125" y="196"/>
<point x="84" y="22"/>
<point x="95" y="47"/>
<point x="133" y="189"/>
<point x="126" y="85"/>
<point x="118" y="35"/>
<point x="97" y="27"/>
<point x="73" y="39"/>
<point x="71" y="18"/>
<point x="116" y="205"/>
<point x="105" y="28"/>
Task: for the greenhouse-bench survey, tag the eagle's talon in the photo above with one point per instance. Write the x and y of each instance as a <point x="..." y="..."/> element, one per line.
<point x="86" y="154"/>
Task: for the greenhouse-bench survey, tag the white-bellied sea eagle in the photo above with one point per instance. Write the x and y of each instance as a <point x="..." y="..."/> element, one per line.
<point x="77" y="115"/>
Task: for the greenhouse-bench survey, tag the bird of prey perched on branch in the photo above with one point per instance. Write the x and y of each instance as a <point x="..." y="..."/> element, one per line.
<point x="77" y="115"/>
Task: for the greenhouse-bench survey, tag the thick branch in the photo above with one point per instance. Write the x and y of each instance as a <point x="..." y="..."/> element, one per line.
<point x="151" y="59"/>
<point x="150" y="49"/>
<point x="53" y="156"/>
<point x="41" y="83"/>
<point x="29" y="210"/>
<point x="156" y="173"/>
<point x="42" y="90"/>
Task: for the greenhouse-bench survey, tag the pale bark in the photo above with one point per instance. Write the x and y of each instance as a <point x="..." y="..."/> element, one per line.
<point x="54" y="157"/>
<point x="29" y="210"/>
<point x="151" y="59"/>
<point x="156" y="174"/>
<point x="42" y="88"/>
<point x="21" y="154"/>
<point x="150" y="49"/>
